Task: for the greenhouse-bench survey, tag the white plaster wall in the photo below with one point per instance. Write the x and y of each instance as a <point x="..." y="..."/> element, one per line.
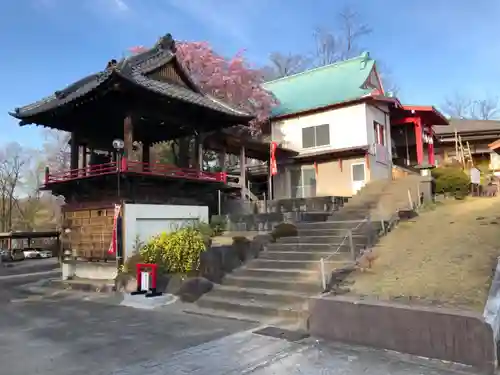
<point x="148" y="220"/>
<point x="347" y="129"/>
<point x="379" y="113"/>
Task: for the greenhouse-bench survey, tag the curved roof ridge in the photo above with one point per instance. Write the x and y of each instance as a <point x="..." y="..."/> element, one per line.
<point x="364" y="55"/>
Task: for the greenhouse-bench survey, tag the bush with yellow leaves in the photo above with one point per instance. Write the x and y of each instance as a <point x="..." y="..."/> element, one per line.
<point x="175" y="252"/>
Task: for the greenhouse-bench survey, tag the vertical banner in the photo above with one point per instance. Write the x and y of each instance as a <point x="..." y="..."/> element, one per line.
<point x="273" y="165"/>
<point x="316" y="169"/>
<point x="113" y="245"/>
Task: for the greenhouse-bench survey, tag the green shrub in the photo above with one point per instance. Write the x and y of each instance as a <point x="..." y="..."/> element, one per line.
<point x="451" y="180"/>
<point x="205" y="229"/>
<point x="284" y="230"/>
<point x="176" y="252"/>
<point x="218" y="224"/>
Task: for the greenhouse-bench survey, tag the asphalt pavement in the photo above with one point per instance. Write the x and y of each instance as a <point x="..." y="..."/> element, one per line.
<point x="60" y="332"/>
<point x="28" y="266"/>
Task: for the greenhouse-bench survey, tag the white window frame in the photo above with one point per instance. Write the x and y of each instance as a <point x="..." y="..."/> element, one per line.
<point x="352" y="171"/>
<point x="315" y="139"/>
<point x="303" y="186"/>
<point x="377" y="127"/>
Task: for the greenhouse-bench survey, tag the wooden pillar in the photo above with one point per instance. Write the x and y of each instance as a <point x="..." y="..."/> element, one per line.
<point x="198" y="152"/>
<point x="419" y="141"/>
<point x="84" y="159"/>
<point x="145" y="156"/>
<point x="222" y="160"/>
<point x="74" y="154"/>
<point x="128" y="140"/>
<point x="200" y="155"/>
<point x="243" y="172"/>
<point x="430" y="150"/>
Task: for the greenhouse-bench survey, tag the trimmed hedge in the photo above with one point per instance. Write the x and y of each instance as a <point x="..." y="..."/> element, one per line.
<point x="451" y="180"/>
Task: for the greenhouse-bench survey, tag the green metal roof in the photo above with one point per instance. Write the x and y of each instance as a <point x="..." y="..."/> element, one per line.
<point x="320" y="87"/>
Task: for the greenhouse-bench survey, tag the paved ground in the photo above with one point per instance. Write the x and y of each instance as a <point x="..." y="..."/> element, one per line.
<point x="70" y="333"/>
<point x="28" y="265"/>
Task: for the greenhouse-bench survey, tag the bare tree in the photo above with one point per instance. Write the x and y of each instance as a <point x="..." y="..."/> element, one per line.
<point x="56" y="150"/>
<point x="390" y="86"/>
<point x="352" y="30"/>
<point x="457" y="106"/>
<point x="328" y="49"/>
<point x="341" y="44"/>
<point x="12" y="161"/>
<point x="486" y="109"/>
<point x="282" y="65"/>
<point x="460" y="106"/>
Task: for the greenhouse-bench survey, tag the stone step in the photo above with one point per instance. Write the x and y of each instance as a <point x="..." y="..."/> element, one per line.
<point x="285" y="274"/>
<point x="274" y="284"/>
<point x="332" y="223"/>
<point x="321" y="232"/>
<point x="241" y="306"/>
<point x="315" y="247"/>
<point x="194" y="309"/>
<point x="356" y="226"/>
<point x="348" y="216"/>
<point x="300" y="255"/>
<point x="265" y="295"/>
<point x="338" y="261"/>
<point x="332" y="239"/>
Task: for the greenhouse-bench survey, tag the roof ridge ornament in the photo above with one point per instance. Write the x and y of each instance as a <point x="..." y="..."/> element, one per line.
<point x="166" y="43"/>
<point x="111" y="64"/>
<point x="365" y="56"/>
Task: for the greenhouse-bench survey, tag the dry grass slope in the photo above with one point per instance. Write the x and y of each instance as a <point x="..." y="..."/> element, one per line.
<point x="444" y="257"/>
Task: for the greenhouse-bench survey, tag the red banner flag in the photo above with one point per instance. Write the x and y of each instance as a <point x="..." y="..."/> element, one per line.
<point x="273" y="164"/>
<point x="114" y="240"/>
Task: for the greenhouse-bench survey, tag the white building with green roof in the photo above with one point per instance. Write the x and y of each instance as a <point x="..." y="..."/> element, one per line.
<point x="337" y="118"/>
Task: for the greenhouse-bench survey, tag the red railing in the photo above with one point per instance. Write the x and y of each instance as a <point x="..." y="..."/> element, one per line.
<point x="129" y="166"/>
<point x="73" y="174"/>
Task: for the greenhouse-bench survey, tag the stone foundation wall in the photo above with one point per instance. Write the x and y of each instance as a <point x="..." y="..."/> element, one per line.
<point x="313" y="204"/>
<point x="89" y="270"/>
<point x="265" y="215"/>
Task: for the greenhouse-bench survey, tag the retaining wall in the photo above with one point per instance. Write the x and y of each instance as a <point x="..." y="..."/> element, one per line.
<point x="438" y="333"/>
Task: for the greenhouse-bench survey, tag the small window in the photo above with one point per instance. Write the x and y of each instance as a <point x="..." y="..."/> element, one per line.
<point x="315" y="136"/>
<point x="308" y="138"/>
<point x="358" y="172"/>
<point x="379" y="132"/>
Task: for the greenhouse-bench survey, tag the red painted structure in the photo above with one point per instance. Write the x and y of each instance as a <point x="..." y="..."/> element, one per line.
<point x="422" y="119"/>
<point x="136" y="167"/>
<point x="153" y="270"/>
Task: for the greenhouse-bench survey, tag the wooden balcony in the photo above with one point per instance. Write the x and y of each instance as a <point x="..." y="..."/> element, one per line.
<point x="129" y="167"/>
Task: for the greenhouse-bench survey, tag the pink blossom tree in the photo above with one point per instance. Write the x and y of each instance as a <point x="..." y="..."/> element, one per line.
<point x="231" y="80"/>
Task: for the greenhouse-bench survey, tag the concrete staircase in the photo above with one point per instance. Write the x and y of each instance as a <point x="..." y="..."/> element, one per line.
<point x="277" y="285"/>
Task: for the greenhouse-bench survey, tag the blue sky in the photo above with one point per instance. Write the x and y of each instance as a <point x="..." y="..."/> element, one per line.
<point x="433" y="48"/>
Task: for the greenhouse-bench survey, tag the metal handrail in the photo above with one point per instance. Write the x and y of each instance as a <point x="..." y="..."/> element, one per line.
<point x="348" y="235"/>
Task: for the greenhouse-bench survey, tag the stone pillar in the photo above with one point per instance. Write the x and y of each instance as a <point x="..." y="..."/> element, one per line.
<point x="67" y="265"/>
